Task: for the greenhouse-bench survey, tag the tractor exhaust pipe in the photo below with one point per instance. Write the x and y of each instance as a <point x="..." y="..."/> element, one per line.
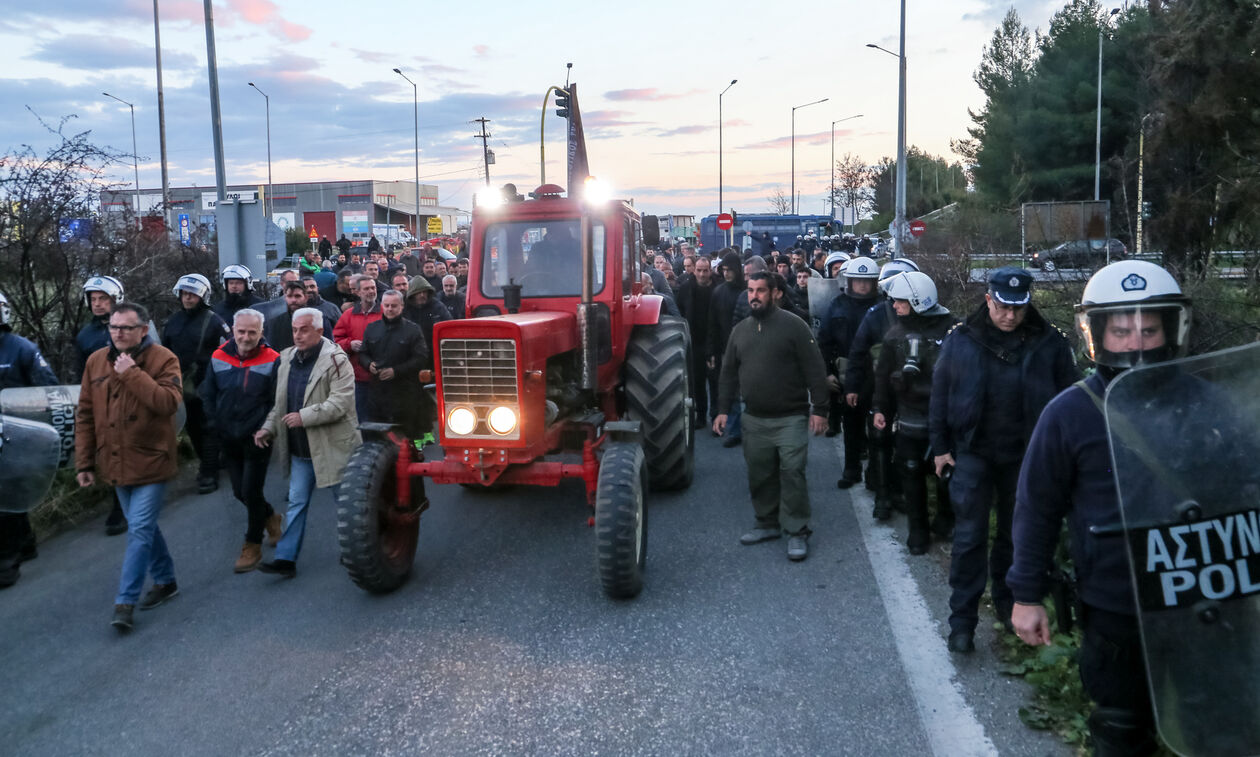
<point x="586" y="310"/>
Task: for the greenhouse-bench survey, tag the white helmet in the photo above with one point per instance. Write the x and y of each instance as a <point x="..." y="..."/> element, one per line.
<point x="104" y="284"/>
<point x="862" y="268"/>
<point x="894" y="267"/>
<point x="5" y="312"/>
<point x="914" y="287"/>
<point x="832" y="259"/>
<point x="236" y="271"/>
<point x="1129" y="289"/>
<point x="194" y="283"/>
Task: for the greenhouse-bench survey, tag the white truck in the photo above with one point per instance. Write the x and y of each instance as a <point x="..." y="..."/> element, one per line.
<point x="393" y="234"/>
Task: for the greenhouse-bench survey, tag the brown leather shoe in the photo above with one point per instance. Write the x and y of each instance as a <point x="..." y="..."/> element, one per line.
<point x="251" y="555"/>
<point x="275" y="529"/>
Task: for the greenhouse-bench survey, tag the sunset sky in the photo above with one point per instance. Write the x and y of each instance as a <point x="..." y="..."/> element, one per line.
<point x="649" y="75"/>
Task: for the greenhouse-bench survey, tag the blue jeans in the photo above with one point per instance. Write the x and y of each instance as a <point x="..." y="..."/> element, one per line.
<point x="301" y="487"/>
<point x="733" y="429"/>
<point x="146" y="549"/>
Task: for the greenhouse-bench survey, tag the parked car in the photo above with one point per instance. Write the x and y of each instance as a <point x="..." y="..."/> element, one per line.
<point x="1081" y="253"/>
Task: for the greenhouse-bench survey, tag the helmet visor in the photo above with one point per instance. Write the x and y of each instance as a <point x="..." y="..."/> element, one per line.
<point x="1122" y="336"/>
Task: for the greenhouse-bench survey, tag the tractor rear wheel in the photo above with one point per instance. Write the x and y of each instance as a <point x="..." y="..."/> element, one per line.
<point x="621" y="520"/>
<point x="377" y="540"/>
<point x="658" y="384"/>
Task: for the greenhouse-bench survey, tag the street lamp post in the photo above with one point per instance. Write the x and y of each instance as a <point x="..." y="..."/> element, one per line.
<point x="415" y="100"/>
<point x="798" y="107"/>
<point x="723" y="92"/>
<point x="267" y="100"/>
<point x="135" y="159"/>
<point x="899" y="214"/>
<point x="833" y="161"/>
<point x="1098" y="119"/>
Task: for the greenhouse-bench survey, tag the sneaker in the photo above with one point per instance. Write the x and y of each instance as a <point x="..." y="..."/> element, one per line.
<point x="158" y="594"/>
<point x="798" y="547"/>
<point x="962" y="642"/>
<point x="286" y="568"/>
<point x="122" y="617"/>
<point x="758" y="535"/>
<point x="251" y="555"/>
<point x="275" y="529"/>
<point x="206" y="485"/>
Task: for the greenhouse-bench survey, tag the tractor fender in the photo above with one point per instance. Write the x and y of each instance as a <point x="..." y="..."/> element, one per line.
<point x="645" y="309"/>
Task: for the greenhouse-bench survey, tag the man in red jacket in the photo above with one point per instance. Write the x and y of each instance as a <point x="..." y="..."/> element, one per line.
<point x="349" y="337"/>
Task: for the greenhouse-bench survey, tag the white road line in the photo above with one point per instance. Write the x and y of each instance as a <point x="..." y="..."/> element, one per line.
<point x="950" y="723"/>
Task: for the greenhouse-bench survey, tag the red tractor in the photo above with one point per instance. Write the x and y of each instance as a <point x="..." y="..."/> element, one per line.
<point x="563" y="369"/>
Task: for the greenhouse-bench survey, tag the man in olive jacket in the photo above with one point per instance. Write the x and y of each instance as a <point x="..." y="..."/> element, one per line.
<point x="125" y="434"/>
<point x="314" y="426"/>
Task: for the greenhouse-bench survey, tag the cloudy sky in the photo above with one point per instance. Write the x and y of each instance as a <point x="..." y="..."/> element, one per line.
<point x="649" y="74"/>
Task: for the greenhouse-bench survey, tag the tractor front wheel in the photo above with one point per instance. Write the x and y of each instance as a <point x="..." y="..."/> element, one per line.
<point x="377" y="539"/>
<point x="621" y="520"/>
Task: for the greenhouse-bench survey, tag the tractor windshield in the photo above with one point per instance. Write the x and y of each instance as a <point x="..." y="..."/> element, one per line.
<point x="544" y="257"/>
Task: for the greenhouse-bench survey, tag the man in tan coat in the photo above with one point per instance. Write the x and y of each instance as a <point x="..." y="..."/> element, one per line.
<point x="125" y="434"/>
<point x="313" y="424"/>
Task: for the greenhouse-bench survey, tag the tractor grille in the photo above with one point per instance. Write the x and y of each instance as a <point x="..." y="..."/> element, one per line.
<point x="478" y="371"/>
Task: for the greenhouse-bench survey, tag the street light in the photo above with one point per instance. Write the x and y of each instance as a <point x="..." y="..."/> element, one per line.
<point x="833" y="161"/>
<point x="1098" y="121"/>
<point x="899" y="215"/>
<point x="415" y="99"/>
<point x="798" y="107"/>
<point x="267" y="100"/>
<point x="728" y="86"/>
<point x="135" y="160"/>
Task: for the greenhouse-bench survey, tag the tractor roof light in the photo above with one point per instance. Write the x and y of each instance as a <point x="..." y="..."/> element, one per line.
<point x="595" y="191"/>
<point x="489" y="199"/>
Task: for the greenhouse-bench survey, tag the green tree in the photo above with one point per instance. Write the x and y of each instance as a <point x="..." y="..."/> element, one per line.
<point x="931" y="183"/>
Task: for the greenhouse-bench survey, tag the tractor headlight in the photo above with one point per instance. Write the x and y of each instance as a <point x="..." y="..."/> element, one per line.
<point x="502" y="420"/>
<point x="461" y="421"/>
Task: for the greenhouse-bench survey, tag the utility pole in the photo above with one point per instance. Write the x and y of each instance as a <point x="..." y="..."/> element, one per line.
<point x="485" y="147"/>
<point x="166" y="179"/>
<point x="216" y="118"/>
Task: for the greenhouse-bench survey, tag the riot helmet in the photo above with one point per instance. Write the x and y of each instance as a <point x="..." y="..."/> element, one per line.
<point x="106" y="285"/>
<point x="917" y="288"/>
<point x="861" y="268"/>
<point x="193" y="283"/>
<point x="1133" y="313"/>
<point x="832" y="259"/>
<point x="235" y="271"/>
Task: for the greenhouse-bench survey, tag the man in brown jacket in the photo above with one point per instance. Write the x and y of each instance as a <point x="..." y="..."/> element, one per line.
<point x="125" y="433"/>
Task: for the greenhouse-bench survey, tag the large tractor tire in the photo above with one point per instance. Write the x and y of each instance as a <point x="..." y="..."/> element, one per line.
<point x="377" y="540"/>
<point x="621" y="520"/>
<point x="658" y="383"/>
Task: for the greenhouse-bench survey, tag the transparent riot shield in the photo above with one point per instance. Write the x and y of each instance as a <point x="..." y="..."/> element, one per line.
<point x="821" y="293"/>
<point x="29" y="451"/>
<point x="1185" y="445"/>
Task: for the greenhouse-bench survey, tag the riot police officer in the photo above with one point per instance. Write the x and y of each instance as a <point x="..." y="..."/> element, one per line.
<point x="859" y="386"/>
<point x="21" y="364"/>
<point x="996" y="372"/>
<point x="237" y="280"/>
<point x="835" y="337"/>
<point x="903" y="387"/>
<point x="1132" y="312"/>
<point x="193" y="333"/>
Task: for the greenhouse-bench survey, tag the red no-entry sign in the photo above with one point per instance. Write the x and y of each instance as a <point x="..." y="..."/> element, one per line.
<point x="725" y="221"/>
<point x="917" y="228"/>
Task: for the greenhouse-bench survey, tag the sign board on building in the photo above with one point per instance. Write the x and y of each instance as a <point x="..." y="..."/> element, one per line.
<point x="434" y="225"/>
<point x="210" y="199"/>
<point x="354" y="222"/>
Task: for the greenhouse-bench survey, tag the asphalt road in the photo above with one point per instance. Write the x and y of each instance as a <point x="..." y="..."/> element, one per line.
<point x="502" y="643"/>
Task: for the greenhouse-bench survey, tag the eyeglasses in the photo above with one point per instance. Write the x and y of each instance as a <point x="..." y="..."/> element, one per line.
<point x="124" y="329"/>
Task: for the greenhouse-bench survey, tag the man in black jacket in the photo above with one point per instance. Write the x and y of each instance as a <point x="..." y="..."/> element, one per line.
<point x="193" y="333"/>
<point x="394" y="351"/>
<point x="722" y="306"/>
<point x="694" y="299"/>
<point x="236" y="283"/>
<point x="996" y="373"/>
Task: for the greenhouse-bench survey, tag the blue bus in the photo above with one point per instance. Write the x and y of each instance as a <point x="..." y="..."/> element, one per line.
<point x="783" y="230"/>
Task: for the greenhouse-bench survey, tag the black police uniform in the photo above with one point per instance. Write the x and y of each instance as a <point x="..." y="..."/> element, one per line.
<point x="193" y="335"/>
<point x="989" y="387"/>
<point x="836" y="335"/>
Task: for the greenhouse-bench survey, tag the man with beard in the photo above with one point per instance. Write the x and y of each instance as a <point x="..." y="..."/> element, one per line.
<point x="452" y="298"/>
<point x="339" y="293"/>
<point x="721" y="321"/>
<point x="278" y="329"/>
<point x="193" y="333"/>
<point x="331" y="312"/>
<point x="236" y="284"/>
<point x="349" y="337"/>
<point x="695" y="296"/>
<point x="423" y="309"/>
<point x="774" y="362"/>
<point x="428" y="270"/>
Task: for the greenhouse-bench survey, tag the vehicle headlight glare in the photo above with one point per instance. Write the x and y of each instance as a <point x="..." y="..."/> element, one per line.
<point x="502" y="420"/>
<point x="461" y="421"/>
